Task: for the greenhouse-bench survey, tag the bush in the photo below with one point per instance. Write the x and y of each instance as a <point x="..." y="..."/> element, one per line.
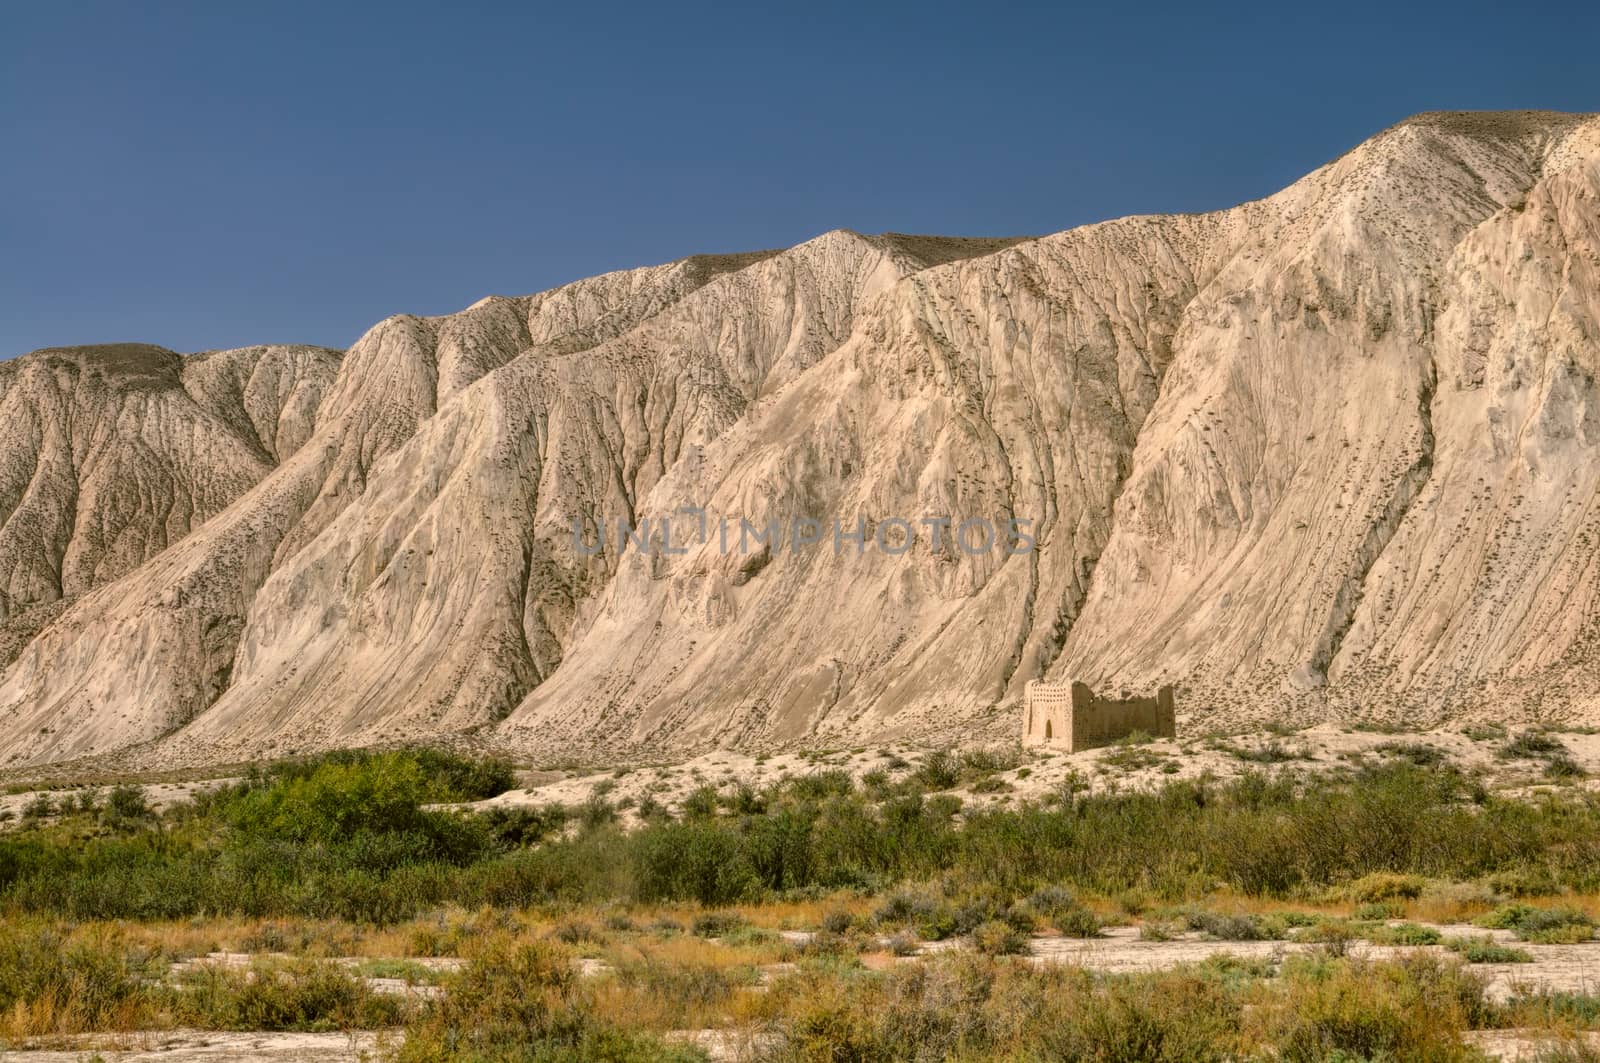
<point x="820" y="785"/>
<point x="521" y="1002"/>
<point x="717" y="924"/>
<point x="1414" y="1008"/>
<point x="1486" y="950"/>
<point x="293" y="995"/>
<point x="1077" y="922"/>
<point x="1543" y="925"/>
<point x="575" y="932"/>
<point x="1404" y="934"/>
<point x="1241" y="927"/>
<point x="352" y="837"/>
<point x="1533" y="745"/>
<point x="1562" y="766"/>
<point x="996" y="938"/>
<point x="520" y="827"/>
<point x="838" y="921"/>
<point x="55" y="982"/>
<point x="1419" y="753"/>
<point x="127" y="803"/>
<point x="702" y="802"/>
<point x="1384" y="886"/>
<point x="41" y="807"/>
<point x="939" y="770"/>
<point x="366" y="807"/>
<point x="1050" y="901"/>
<point x="904" y="943"/>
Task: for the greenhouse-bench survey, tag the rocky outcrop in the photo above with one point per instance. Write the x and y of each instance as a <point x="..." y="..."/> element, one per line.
<point x="1328" y="453"/>
<point x="1368" y="469"/>
<point x="109" y="454"/>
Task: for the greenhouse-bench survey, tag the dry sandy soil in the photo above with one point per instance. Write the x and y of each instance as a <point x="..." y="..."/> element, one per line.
<point x="204" y="1046"/>
<point x="1038" y="773"/>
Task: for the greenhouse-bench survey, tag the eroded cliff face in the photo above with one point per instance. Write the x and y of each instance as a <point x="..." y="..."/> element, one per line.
<point x="109" y="454"/>
<point x="1368" y="466"/>
<point x="1325" y="453"/>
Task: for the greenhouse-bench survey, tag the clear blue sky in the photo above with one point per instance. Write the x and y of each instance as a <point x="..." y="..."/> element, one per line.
<point x="216" y="174"/>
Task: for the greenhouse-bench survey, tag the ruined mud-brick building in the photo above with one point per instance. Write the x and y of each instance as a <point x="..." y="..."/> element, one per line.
<point x="1073" y="718"/>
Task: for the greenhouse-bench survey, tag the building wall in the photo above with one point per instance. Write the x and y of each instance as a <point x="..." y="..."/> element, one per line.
<point x="1047" y="715"/>
<point x="1073" y="717"/>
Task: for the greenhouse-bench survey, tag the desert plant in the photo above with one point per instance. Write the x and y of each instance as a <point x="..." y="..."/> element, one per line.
<point x="996" y="938"/>
<point x="1486" y="950"/>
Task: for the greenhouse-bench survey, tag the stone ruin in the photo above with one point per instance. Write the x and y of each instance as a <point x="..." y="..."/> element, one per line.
<point x="1073" y="718"/>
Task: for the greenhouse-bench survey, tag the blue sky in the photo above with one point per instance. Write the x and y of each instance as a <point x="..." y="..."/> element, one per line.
<point x="214" y="174"/>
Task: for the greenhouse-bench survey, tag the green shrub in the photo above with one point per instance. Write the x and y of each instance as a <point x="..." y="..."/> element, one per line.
<point x="1241" y="927"/>
<point x="819" y="785"/>
<point x="717" y="924"/>
<point x="521" y="1002"/>
<point x="1403" y="934"/>
<point x="1419" y="753"/>
<point x="997" y="938"/>
<point x="1077" y="922"/>
<point x="1562" y="766"/>
<point x="353" y="837"/>
<point x="939" y="770"/>
<point x="1414" y="1008"/>
<point x="904" y="943"/>
<point x="1486" y="950"/>
<point x="838" y="921"/>
<point x="702" y="802"/>
<point x="1384" y="886"/>
<point x="73" y="981"/>
<point x="1050" y="900"/>
<point x="127" y="803"/>
<point x="516" y="827"/>
<point x="41" y="807"/>
<point x="1544" y="925"/>
<point x="1379" y="910"/>
<point x="1533" y="745"/>
<point x="292" y="995"/>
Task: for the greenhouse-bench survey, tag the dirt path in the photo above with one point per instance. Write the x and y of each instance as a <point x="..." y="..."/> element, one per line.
<point x="194" y="1046"/>
<point x="1555" y="968"/>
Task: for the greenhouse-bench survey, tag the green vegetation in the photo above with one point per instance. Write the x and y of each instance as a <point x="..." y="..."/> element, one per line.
<point x="1419" y="753"/>
<point x="108" y="908"/>
<point x="1545" y="926"/>
<point x="355" y="836"/>
<point x="1533" y="745"/>
<point x="971" y="1007"/>
<point x="57" y="980"/>
<point x="1486" y="950"/>
<point x="523" y="1001"/>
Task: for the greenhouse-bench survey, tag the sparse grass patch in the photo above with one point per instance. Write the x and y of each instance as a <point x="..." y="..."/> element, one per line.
<point x="282" y="995"/>
<point x="1486" y="950"/>
<point x="1242" y="926"/>
<point x="1419" y="753"/>
<point x="1533" y="745"/>
<point x="1403" y="934"/>
<point x="1547" y="926"/>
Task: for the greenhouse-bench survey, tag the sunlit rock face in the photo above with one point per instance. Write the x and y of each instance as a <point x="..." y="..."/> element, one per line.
<point x="1327" y="454"/>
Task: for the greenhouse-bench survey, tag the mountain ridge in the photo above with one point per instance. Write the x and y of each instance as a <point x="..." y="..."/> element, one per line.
<point x="1239" y="435"/>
